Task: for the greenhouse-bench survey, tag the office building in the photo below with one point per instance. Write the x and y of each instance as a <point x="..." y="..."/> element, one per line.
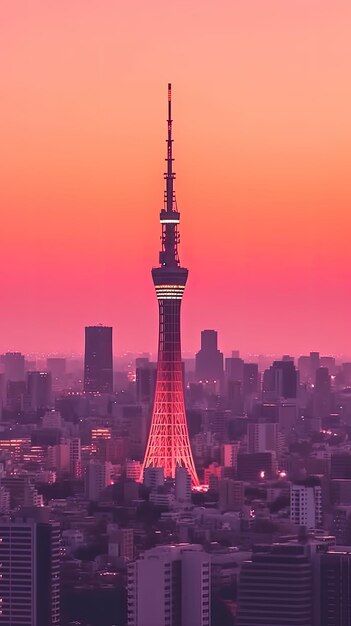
<point x="280" y="381"/>
<point x="30" y="569"/>
<point x="234" y="369"/>
<point x="121" y="544"/>
<point x="98" y="367"/>
<point x="250" y="378"/>
<point x="14" y="367"/>
<point x="276" y="587"/>
<point x="334" y="591"/>
<point x="235" y="400"/>
<point x="22" y="491"/>
<point x="231" y="494"/>
<point x="145" y="379"/>
<point x="154" y="477"/>
<point x="182" y="485"/>
<point x="16" y="395"/>
<point x="57" y="368"/>
<point x="257" y="465"/>
<point x="262" y="437"/>
<point x="306" y="505"/>
<point x="229" y="454"/>
<point x="39" y="390"/>
<point x="209" y="359"/>
<point x="181" y="576"/>
<point x="97" y="477"/>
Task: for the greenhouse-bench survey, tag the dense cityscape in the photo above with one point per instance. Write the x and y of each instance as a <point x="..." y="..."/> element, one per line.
<point x="270" y="442"/>
<point x="213" y="490"/>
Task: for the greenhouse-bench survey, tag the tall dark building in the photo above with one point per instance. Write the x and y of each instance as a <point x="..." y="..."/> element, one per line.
<point x="234" y="369"/>
<point x="57" y="368"/>
<point x="98" y="367"/>
<point x="276" y="587"/>
<point x="322" y="380"/>
<point x="14" y="366"/>
<point x="335" y="588"/>
<point x="209" y="360"/>
<point x="30" y="569"/>
<point x="168" y="444"/>
<point x="280" y="381"/>
<point x="322" y="393"/>
<point x="145" y="381"/>
<point x="250" y="374"/>
<point x="39" y="390"/>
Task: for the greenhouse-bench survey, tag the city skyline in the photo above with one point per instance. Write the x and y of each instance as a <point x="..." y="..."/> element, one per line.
<point x="263" y="134"/>
<point x="203" y="479"/>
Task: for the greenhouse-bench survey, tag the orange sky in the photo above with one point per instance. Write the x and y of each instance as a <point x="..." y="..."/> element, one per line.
<point x="262" y="101"/>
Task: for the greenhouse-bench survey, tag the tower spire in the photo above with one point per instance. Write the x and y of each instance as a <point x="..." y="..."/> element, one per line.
<point x="169" y="175"/>
<point x="169" y="216"/>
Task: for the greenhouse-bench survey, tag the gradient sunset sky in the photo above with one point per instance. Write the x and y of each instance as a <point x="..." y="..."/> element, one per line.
<point x="262" y="128"/>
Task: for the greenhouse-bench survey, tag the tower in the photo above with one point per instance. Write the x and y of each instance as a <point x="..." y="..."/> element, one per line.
<point x="168" y="444"/>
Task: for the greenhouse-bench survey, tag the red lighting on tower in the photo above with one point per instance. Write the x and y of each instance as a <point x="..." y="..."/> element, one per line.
<point x="168" y="444"/>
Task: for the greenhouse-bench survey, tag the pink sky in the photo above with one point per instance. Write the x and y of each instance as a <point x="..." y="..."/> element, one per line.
<point x="262" y="101"/>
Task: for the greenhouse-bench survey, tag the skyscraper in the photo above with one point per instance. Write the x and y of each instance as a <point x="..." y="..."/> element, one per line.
<point x="98" y="368"/>
<point x="39" y="390"/>
<point x="170" y="586"/>
<point x="306" y="505"/>
<point x="209" y="360"/>
<point x="276" y="587"/>
<point x="335" y="587"/>
<point x="30" y="572"/>
<point x="168" y="444"/>
<point x="14" y="365"/>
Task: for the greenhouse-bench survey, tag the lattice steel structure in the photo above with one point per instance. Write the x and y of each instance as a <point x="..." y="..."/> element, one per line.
<point x="168" y="444"/>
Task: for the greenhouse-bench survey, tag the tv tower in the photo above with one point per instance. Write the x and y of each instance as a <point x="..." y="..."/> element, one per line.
<point x="168" y="444"/>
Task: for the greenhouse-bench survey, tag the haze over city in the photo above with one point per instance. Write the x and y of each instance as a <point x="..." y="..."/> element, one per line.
<point x="261" y="106"/>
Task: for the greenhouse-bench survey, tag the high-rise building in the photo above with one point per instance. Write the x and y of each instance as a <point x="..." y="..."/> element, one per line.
<point x="13" y="363"/>
<point x="97" y="478"/>
<point x="154" y="477"/>
<point x="57" y="368"/>
<point x="322" y="393"/>
<point x="145" y="381"/>
<point x="168" y="444"/>
<point x="257" y="465"/>
<point x="2" y="390"/>
<point x="235" y="396"/>
<point x="39" y="390"/>
<point x="22" y="491"/>
<point x="58" y="458"/>
<point x="181" y="576"/>
<point x="276" y="587"/>
<point x="231" y="494"/>
<point x="334" y="592"/>
<point x="306" y="505"/>
<point x="209" y="360"/>
<point x="234" y="369"/>
<point x="229" y="454"/>
<point x="16" y="395"/>
<point x="75" y="458"/>
<point x="262" y="437"/>
<point x="250" y="378"/>
<point x="280" y="381"/>
<point x="30" y="569"/>
<point x="182" y="485"/>
<point x="121" y="544"/>
<point x="98" y="367"/>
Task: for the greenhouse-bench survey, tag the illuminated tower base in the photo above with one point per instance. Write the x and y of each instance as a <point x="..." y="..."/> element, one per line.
<point x="168" y="444"/>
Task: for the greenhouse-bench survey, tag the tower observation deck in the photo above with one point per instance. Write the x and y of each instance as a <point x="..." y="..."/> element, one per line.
<point x="168" y="444"/>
